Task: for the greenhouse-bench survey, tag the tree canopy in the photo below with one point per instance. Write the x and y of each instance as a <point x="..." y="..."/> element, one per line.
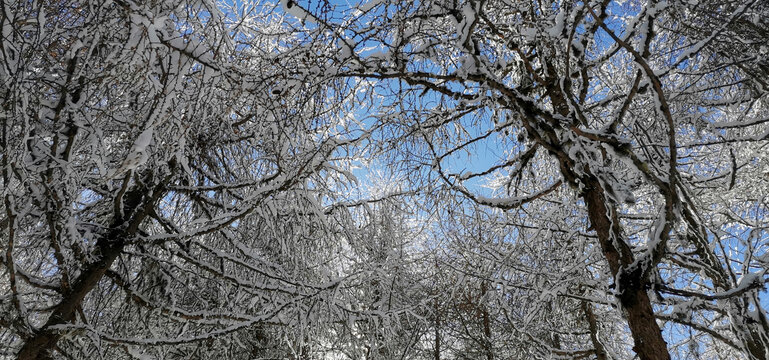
<point x="440" y="179"/>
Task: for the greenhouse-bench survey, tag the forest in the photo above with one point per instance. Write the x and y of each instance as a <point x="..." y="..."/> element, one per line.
<point x="382" y="179"/>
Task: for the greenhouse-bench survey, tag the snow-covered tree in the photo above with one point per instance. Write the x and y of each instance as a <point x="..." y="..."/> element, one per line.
<point x="167" y="173"/>
<point x="384" y="179"/>
<point x="637" y="125"/>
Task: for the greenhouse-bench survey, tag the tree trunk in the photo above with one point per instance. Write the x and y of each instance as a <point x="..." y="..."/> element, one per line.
<point x="486" y="323"/>
<point x="600" y="351"/>
<point x="647" y="336"/>
<point x="437" y="344"/>
<point x="41" y="345"/>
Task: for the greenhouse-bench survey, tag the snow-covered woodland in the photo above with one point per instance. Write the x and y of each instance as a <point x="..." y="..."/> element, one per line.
<point x="434" y="179"/>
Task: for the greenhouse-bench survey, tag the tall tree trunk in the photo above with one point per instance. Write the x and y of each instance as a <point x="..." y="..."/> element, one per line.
<point x="647" y="336"/>
<point x="631" y="286"/>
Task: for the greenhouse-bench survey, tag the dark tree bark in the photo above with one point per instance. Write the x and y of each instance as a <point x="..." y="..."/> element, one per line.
<point x="631" y="287"/>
